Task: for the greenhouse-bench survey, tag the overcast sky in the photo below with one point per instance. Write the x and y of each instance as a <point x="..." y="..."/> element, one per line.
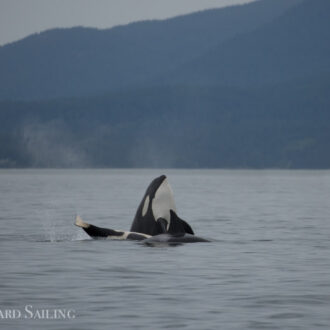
<point x="19" y="18"/>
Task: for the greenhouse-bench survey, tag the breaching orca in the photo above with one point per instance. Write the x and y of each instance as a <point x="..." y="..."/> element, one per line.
<point x="156" y="213"/>
<point x="155" y="220"/>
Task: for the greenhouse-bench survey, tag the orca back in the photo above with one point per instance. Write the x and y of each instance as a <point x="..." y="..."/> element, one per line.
<point x="172" y="240"/>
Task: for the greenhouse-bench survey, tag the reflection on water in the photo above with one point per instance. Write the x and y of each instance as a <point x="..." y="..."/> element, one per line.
<point x="267" y="267"/>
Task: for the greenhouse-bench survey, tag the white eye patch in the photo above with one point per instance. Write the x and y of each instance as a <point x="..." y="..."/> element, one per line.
<point x="145" y="206"/>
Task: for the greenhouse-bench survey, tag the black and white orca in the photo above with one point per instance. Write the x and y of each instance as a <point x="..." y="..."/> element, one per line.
<point x="156" y="213"/>
<point x="155" y="220"/>
<point x="106" y="233"/>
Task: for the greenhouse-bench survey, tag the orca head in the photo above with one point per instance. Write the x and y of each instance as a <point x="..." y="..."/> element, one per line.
<point x="153" y="215"/>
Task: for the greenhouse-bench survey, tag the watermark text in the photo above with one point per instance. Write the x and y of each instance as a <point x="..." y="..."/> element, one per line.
<point x="35" y="313"/>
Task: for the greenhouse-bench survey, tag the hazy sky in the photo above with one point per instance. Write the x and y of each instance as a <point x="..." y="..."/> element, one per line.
<point x="19" y="18"/>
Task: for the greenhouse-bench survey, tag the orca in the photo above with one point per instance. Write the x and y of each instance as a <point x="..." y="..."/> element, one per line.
<point x="106" y="233"/>
<point x="155" y="221"/>
<point x="156" y="213"/>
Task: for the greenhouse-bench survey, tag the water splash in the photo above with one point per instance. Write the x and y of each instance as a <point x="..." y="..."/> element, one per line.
<point x="59" y="228"/>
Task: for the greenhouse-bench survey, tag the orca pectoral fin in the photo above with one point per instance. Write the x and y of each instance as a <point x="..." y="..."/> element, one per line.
<point x="178" y="225"/>
<point x="162" y="223"/>
<point x="80" y="223"/>
<point x="187" y="227"/>
<point x="96" y="232"/>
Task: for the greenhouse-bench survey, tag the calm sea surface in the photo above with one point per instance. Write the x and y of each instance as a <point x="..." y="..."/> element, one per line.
<point x="268" y="266"/>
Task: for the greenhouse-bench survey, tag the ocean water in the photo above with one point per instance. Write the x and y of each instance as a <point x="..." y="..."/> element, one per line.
<point x="267" y="267"/>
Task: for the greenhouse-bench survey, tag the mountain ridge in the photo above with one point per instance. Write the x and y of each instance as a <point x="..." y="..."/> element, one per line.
<point x="80" y="61"/>
<point x="271" y="55"/>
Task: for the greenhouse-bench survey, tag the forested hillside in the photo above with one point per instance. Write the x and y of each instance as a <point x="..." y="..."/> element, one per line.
<point x="238" y="87"/>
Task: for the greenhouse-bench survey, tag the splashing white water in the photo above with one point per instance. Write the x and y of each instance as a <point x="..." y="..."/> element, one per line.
<point x="58" y="227"/>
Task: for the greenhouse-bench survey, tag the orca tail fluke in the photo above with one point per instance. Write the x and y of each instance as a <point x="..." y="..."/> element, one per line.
<point x="80" y="223"/>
